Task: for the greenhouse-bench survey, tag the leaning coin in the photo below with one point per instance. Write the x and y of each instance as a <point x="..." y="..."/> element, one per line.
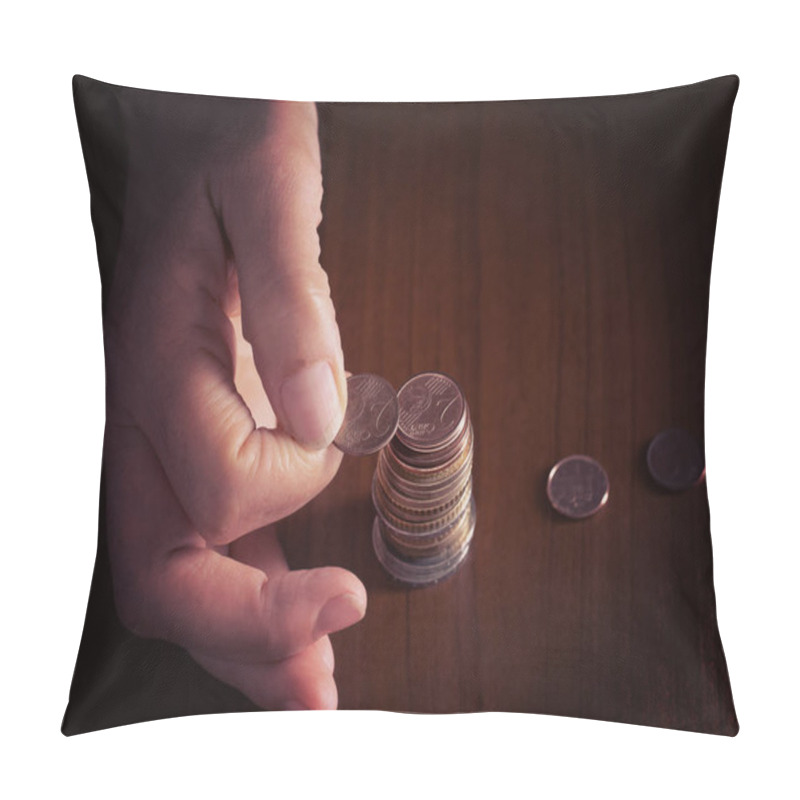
<point x="675" y="460"/>
<point x="370" y="419"/>
<point x="577" y="487"/>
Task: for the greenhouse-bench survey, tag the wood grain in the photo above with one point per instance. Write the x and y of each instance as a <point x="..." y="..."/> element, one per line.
<point x="553" y="257"/>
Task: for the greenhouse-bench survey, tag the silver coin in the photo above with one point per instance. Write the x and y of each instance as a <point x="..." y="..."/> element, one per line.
<point x="577" y="487"/>
<point x="675" y="460"/>
<point x="370" y="419"/>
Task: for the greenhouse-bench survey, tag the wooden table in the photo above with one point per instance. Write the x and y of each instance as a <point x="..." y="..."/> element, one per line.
<point x="554" y="258"/>
<point x="545" y="267"/>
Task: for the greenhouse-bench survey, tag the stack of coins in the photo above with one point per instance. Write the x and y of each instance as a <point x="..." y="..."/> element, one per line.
<point x="422" y="488"/>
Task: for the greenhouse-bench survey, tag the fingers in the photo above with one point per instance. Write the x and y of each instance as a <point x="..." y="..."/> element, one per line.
<point x="303" y="681"/>
<point x="220" y="607"/>
<point x="262" y="550"/>
<point x="172" y="351"/>
<point x="271" y="208"/>
<point x="169" y="585"/>
<point x="325" y="649"/>
<point x="248" y="383"/>
<point x="230" y="475"/>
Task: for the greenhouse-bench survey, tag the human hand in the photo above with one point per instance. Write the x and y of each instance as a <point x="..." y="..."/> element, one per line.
<point x="219" y="252"/>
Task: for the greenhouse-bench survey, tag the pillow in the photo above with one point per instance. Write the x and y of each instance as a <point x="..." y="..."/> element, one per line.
<point x="551" y="256"/>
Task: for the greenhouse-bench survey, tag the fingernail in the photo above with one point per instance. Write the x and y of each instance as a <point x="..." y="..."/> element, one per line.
<point x="294" y="705"/>
<point x="343" y="610"/>
<point x="312" y="405"/>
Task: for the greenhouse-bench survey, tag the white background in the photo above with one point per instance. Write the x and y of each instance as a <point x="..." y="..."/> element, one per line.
<point x="52" y="387"/>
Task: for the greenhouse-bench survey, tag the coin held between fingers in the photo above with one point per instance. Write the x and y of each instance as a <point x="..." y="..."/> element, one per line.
<point x="371" y="416"/>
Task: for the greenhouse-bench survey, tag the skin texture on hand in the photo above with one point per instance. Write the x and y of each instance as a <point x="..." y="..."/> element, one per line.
<point x="226" y="386"/>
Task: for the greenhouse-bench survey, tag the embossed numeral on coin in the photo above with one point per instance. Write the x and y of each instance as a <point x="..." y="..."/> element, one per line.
<point x="384" y="415"/>
<point x="432" y="409"/>
<point x="370" y="419"/>
<point x="446" y="404"/>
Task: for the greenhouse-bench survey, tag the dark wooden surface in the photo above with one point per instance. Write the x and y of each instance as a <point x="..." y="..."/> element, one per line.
<point x="554" y="258"/>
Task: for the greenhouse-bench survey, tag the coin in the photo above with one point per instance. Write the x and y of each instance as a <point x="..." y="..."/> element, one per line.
<point x="370" y="419"/>
<point x="431" y="411"/>
<point x="430" y="570"/>
<point x="577" y="487"/>
<point x="675" y="460"/>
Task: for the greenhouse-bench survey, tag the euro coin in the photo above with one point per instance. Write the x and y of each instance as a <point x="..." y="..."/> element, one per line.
<point x="371" y="417"/>
<point x="675" y="460"/>
<point x="577" y="487"/>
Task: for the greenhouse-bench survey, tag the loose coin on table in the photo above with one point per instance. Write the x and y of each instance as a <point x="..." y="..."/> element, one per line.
<point x="422" y="488"/>
<point x="577" y="487"/>
<point x="675" y="460"/>
<point x="370" y="419"/>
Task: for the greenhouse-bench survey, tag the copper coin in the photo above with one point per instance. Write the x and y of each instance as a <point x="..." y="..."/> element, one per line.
<point x="577" y="487"/>
<point x="675" y="460"/>
<point x="419" y="460"/>
<point x="431" y="411"/>
<point x="422" y="487"/>
<point x="431" y="569"/>
<point x="370" y="419"/>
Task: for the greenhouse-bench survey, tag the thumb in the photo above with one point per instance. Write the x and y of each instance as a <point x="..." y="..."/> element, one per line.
<point x="271" y="210"/>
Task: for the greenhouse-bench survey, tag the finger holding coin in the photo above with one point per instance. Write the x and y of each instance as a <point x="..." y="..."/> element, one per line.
<point x="371" y="416"/>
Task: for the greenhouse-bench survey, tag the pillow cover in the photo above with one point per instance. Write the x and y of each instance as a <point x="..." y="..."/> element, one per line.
<point x="552" y="256"/>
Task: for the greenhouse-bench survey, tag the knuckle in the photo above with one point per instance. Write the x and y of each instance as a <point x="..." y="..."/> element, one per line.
<point x="216" y="518"/>
<point x="282" y="604"/>
<point x="296" y="303"/>
<point x="289" y="158"/>
<point x="289" y="176"/>
<point x="215" y="507"/>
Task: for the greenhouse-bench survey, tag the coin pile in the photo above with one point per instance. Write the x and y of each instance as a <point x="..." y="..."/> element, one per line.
<point x="422" y="487"/>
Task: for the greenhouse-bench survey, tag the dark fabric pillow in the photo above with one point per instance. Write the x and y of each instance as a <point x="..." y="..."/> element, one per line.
<point x="553" y="257"/>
